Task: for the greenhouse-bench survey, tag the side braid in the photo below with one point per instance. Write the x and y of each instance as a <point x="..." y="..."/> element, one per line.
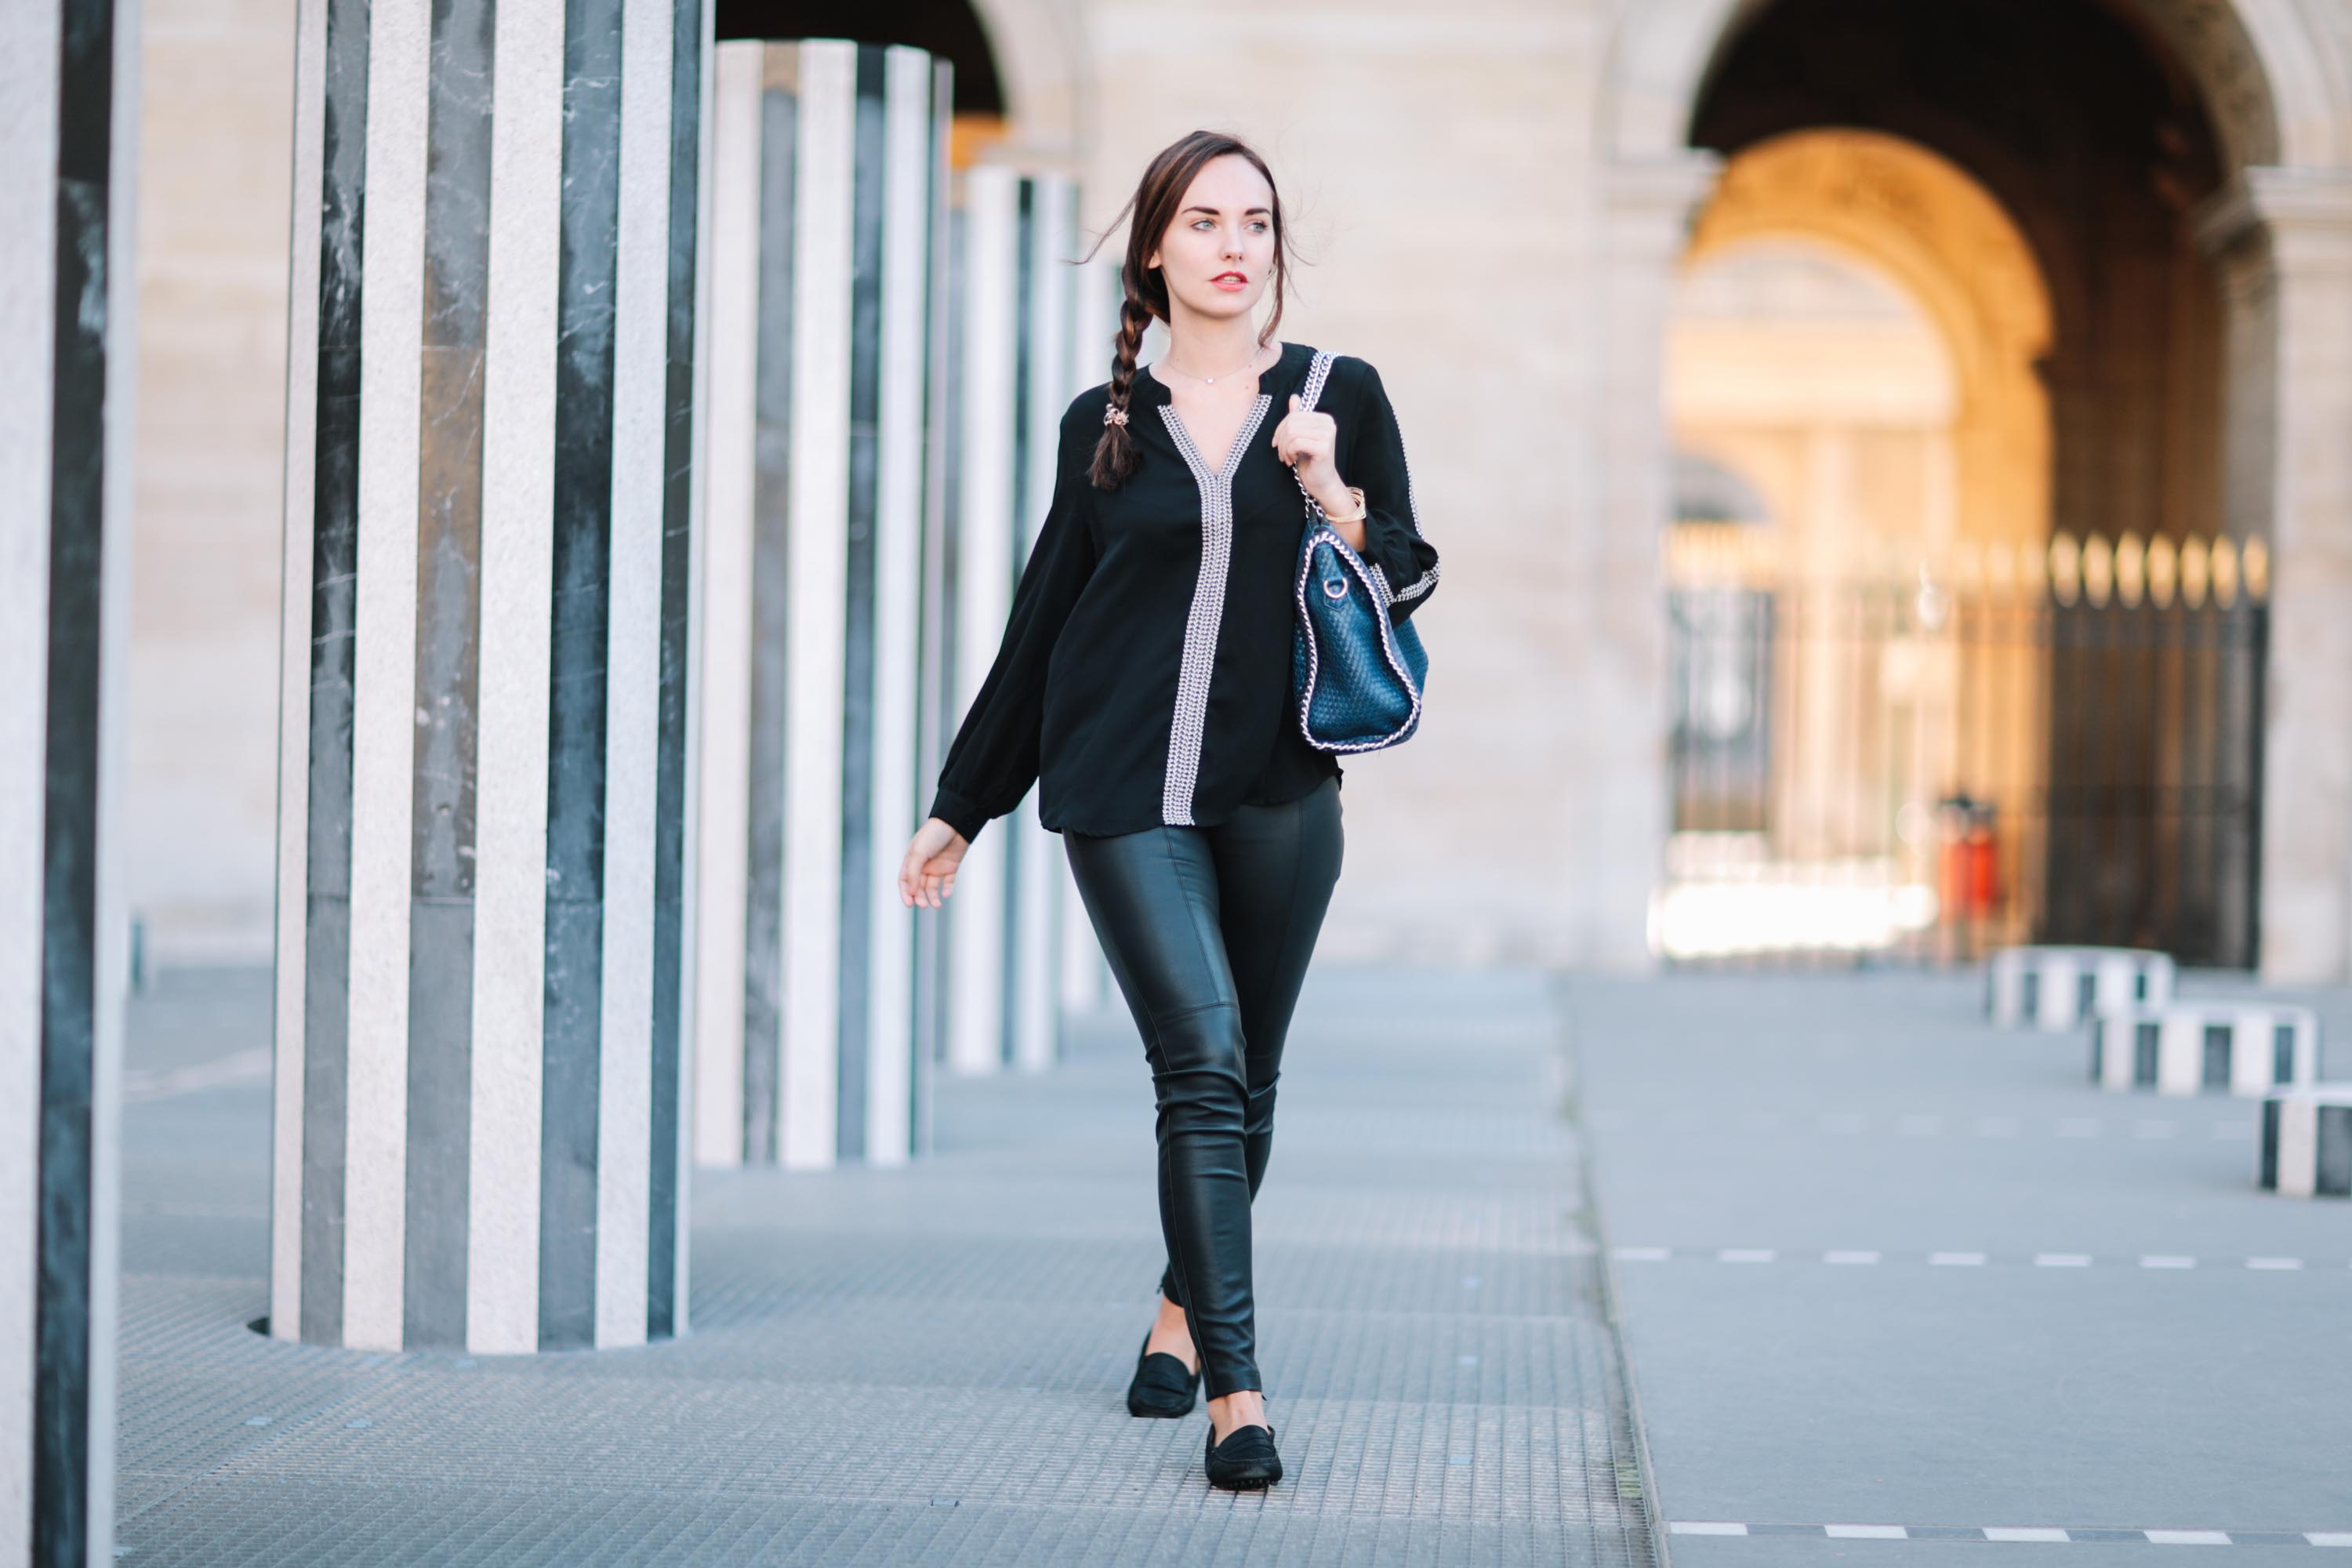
<point x="1116" y="455"/>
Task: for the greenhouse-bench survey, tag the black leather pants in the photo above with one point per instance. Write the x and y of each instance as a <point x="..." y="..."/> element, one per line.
<point x="1208" y="931"/>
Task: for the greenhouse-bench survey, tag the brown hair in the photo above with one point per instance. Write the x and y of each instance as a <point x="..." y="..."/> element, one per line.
<point x="1154" y="209"/>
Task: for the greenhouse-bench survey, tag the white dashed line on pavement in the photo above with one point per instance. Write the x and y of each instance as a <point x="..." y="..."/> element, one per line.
<point x="1861" y="1257"/>
<point x="2078" y="1535"/>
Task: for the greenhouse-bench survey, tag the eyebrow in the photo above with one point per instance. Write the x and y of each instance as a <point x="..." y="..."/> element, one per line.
<point x="1213" y="211"/>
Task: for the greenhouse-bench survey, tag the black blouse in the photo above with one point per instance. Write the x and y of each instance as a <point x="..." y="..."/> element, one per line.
<point x="1144" y="677"/>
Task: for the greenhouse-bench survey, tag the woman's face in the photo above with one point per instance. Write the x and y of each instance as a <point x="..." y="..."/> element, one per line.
<point x="1218" y="253"/>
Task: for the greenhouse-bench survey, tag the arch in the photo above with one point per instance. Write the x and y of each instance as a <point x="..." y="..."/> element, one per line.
<point x="2246" y="434"/>
<point x="1710" y="488"/>
<point x="2275" y="87"/>
<point x="1038" y="71"/>
<point x="1044" y="73"/>
<point x="1920" y="221"/>
<point x="1905" y="212"/>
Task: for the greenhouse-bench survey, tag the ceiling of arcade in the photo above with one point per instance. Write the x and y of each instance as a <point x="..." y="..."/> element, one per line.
<point x="2272" y="77"/>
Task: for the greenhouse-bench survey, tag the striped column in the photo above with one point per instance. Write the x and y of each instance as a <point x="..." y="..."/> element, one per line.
<point x="936" y="656"/>
<point x="1017" y="359"/>
<point x="2307" y="1142"/>
<point x="828" y="180"/>
<point x="68" y="97"/>
<point x="482" y="802"/>
<point x="2196" y="1046"/>
<point x="2058" y="988"/>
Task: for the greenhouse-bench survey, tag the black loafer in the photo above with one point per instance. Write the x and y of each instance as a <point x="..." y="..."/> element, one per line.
<point x="1246" y="1461"/>
<point x="1162" y="1384"/>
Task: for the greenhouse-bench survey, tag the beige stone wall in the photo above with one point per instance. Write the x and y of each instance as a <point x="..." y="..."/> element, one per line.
<point x="215" y="152"/>
<point x="1436" y="164"/>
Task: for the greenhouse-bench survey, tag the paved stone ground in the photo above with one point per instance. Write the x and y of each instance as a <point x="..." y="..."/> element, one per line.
<point x="928" y="1365"/>
<point x="1882" y="1264"/>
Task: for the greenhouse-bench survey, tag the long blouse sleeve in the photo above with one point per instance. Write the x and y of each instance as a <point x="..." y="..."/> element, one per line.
<point x="1376" y="464"/>
<point x="994" y="757"/>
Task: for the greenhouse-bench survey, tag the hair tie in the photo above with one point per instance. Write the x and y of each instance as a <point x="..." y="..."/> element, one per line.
<point x="1114" y="414"/>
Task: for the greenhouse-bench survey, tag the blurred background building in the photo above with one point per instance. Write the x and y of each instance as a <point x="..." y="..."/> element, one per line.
<point x="1894" y="463"/>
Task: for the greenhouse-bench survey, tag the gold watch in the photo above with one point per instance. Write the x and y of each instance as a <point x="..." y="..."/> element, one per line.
<point x="1357" y="491"/>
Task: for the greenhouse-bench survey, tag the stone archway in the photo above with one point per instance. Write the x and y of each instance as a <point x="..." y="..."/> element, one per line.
<point x="1043" y="66"/>
<point x="2278" y="230"/>
<point x="1923" y="223"/>
<point x="1909" y="436"/>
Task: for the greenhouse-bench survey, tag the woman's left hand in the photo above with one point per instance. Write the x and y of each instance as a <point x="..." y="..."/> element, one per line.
<point x="1306" y="440"/>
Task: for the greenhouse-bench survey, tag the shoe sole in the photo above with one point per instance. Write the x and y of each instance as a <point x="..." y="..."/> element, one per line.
<point x="1164" y="1413"/>
<point x="1238" y="1484"/>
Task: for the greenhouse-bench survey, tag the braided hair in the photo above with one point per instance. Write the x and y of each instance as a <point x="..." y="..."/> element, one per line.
<point x="1145" y="289"/>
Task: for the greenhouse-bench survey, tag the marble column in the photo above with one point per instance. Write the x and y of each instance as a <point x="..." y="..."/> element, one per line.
<point x="935" y="653"/>
<point x="1016" y="376"/>
<point x="69" y="96"/>
<point x="2282" y="240"/>
<point x="482" y="896"/>
<point x="828" y="181"/>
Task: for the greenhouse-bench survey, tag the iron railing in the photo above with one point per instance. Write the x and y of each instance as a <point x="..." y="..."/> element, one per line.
<point x="2061" y="744"/>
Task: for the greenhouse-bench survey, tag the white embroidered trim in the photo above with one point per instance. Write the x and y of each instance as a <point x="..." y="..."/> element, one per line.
<point x="1207" y="614"/>
<point x="1319" y="370"/>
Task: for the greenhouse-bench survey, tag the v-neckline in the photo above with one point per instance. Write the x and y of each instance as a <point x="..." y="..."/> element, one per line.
<point x="1252" y="415"/>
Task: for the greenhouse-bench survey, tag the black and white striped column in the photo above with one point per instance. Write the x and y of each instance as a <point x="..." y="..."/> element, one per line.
<point x="482" y="806"/>
<point x="2058" y="988"/>
<point x="2307" y="1142"/>
<point x="829" y="176"/>
<point x="69" y="96"/>
<point x="1017" y="373"/>
<point x="2206" y="1045"/>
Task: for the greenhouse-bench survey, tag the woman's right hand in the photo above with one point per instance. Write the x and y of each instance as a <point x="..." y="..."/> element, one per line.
<point x="926" y="876"/>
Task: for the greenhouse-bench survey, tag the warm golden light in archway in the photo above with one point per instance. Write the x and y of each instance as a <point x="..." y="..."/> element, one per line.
<point x="1854" y="341"/>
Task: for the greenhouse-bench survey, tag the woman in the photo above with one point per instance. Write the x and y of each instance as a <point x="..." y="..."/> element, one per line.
<point x="1144" y="684"/>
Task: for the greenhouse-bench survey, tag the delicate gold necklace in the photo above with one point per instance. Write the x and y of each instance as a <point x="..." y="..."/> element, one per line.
<point x="1162" y="364"/>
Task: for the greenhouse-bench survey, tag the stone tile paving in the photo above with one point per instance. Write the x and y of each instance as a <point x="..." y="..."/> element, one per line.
<point x="1892" y="1281"/>
<point x="927" y="1364"/>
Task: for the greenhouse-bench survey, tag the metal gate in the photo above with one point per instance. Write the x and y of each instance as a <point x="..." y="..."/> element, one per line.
<point x="2052" y="743"/>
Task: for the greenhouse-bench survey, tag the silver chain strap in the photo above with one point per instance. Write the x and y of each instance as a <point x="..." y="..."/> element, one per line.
<point x="1309" y="394"/>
